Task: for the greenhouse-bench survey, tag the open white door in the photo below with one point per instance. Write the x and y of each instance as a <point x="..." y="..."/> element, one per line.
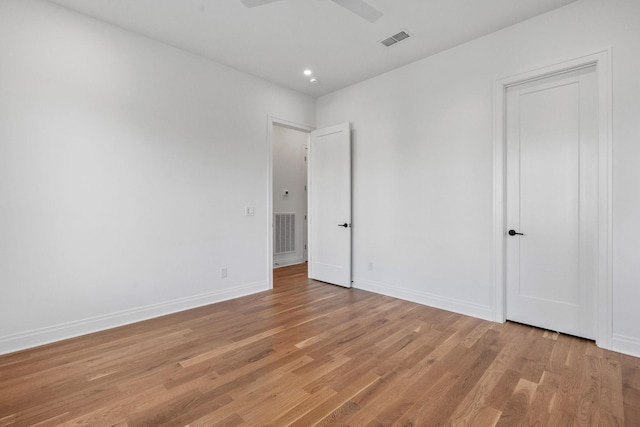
<point x="330" y="205"/>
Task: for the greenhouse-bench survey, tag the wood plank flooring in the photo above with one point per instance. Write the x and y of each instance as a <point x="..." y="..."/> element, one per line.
<point x="308" y="354"/>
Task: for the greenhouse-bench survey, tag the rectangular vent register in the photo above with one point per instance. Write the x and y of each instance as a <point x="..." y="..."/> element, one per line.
<point x="284" y="235"/>
<point x="396" y="38"/>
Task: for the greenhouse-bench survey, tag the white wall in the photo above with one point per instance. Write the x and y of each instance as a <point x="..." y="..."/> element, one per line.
<point x="423" y="190"/>
<point x="125" y="168"/>
<point x="290" y="173"/>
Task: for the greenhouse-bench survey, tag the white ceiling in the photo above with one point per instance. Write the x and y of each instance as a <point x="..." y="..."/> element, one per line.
<point x="278" y="41"/>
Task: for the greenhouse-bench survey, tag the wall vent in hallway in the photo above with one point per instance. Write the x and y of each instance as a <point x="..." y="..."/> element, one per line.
<point x="284" y="235"/>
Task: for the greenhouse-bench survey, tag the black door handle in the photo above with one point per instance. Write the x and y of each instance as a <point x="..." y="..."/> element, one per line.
<point x="514" y="233"/>
<point x="345" y="225"/>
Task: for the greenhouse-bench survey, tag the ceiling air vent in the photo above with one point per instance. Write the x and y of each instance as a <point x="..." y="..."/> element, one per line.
<point x="396" y="38"/>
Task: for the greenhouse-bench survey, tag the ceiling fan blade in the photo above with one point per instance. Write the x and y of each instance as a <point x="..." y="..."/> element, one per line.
<point x="360" y="8"/>
<point x="254" y="3"/>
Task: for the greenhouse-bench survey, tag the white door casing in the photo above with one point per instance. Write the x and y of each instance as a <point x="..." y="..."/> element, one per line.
<point x="305" y="228"/>
<point x="603" y="177"/>
<point x="329" y="204"/>
<point x="271" y="122"/>
<point x="551" y="198"/>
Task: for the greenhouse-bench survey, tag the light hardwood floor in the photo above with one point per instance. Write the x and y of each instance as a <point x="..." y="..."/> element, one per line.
<point x="308" y="353"/>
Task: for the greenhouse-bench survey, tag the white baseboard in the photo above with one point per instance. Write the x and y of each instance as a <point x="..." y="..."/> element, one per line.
<point x="33" y="338"/>
<point x="444" y="303"/>
<point x="287" y="262"/>
<point x="626" y="345"/>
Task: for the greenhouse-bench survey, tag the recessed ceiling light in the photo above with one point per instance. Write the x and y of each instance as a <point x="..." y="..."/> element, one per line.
<point x="313" y="80"/>
<point x="307" y="72"/>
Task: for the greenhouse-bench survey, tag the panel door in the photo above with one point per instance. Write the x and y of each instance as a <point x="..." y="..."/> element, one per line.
<point x="551" y="236"/>
<point x="330" y="205"/>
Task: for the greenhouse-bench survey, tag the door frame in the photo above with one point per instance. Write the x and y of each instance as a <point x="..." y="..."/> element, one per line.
<point x="271" y="122"/>
<point x="604" y="293"/>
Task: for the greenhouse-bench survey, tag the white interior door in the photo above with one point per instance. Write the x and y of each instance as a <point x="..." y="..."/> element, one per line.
<point x="551" y="190"/>
<point x="330" y="205"/>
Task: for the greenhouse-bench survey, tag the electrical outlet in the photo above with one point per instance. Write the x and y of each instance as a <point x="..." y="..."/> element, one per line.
<point x="250" y="211"/>
<point x="370" y="265"/>
<point x="223" y="272"/>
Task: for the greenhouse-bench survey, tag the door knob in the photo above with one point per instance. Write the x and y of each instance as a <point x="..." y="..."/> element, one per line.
<point x="345" y="225"/>
<point x="514" y="233"/>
